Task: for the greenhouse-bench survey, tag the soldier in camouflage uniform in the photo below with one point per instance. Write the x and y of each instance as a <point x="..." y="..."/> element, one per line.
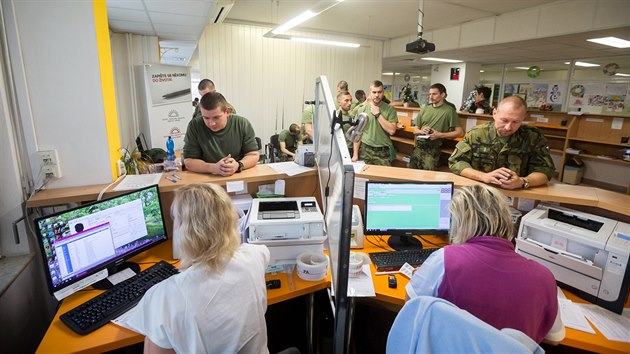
<point x="481" y="100"/>
<point x="375" y="147"/>
<point x="344" y="102"/>
<point x="436" y="122"/>
<point x="504" y="152"/>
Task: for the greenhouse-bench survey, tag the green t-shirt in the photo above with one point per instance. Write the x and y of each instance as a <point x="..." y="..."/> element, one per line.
<point x="237" y="139"/>
<point x="307" y="117"/>
<point x="290" y="141"/>
<point x="441" y="118"/>
<point x="374" y="135"/>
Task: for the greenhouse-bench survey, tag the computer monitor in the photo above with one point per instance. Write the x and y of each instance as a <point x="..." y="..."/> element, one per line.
<point x="85" y="244"/>
<point x="404" y="209"/>
<point x="336" y="183"/>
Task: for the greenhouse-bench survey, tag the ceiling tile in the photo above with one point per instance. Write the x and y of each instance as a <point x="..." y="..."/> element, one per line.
<point x="180" y="20"/>
<point x="127" y="15"/>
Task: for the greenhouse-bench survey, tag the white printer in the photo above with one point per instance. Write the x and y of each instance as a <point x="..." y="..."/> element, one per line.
<point x="287" y="226"/>
<point x="587" y="254"/>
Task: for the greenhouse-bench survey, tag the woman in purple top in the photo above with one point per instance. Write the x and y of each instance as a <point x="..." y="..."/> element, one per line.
<point x="481" y="273"/>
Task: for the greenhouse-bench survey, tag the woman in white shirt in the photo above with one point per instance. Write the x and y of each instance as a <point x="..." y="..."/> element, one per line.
<point x="217" y="303"/>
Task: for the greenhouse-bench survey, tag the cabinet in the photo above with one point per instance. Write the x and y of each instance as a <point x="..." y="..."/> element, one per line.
<point x="600" y="140"/>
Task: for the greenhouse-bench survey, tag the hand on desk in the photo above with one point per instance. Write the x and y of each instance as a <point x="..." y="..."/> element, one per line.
<point x="227" y="166"/>
<point x="503" y="177"/>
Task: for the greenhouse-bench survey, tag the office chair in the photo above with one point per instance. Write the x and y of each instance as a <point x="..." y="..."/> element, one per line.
<point x="263" y="154"/>
<point x="274" y="147"/>
<point x="432" y="325"/>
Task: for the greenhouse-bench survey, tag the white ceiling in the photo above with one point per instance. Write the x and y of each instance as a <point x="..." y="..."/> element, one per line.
<point x="179" y="24"/>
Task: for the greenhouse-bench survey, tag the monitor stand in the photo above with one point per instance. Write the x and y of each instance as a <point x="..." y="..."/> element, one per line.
<point x="404" y="243"/>
<point x="105" y="284"/>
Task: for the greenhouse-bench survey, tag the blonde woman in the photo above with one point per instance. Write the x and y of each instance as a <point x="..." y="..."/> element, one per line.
<point x="217" y="303"/>
<point x="480" y="272"/>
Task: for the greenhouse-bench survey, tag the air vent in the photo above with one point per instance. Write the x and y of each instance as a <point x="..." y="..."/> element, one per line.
<point x="220" y="11"/>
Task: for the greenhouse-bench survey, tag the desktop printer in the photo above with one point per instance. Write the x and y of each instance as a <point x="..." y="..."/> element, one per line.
<point x="287" y="226"/>
<point x="587" y="254"/>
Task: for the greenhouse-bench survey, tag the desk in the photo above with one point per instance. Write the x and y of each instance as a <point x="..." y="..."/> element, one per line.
<point x="574" y="338"/>
<point x="61" y="339"/>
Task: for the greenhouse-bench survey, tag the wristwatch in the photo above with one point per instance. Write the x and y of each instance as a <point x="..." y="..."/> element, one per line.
<point x="240" y="167"/>
<point x="377" y="115"/>
<point x="525" y="183"/>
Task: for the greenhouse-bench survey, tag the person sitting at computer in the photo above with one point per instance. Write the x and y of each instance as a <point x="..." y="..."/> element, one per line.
<point x="481" y="273"/>
<point x="217" y="303"/>
<point x="288" y="140"/>
<point x="218" y="141"/>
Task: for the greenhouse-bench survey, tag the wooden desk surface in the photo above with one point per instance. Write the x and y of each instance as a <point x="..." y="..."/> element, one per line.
<point x="258" y="175"/>
<point x="61" y="339"/>
<point x="553" y="192"/>
<point x="574" y="338"/>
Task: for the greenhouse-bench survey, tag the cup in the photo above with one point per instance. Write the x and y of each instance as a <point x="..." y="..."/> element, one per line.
<point x="479" y="111"/>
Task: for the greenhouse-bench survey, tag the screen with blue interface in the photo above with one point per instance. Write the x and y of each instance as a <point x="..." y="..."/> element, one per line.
<point x="407" y="208"/>
<point x="79" y="242"/>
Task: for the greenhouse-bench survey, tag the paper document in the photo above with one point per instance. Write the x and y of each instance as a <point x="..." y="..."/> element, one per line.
<point x="358" y="166"/>
<point x="613" y="326"/>
<point x="290" y="168"/>
<point x="361" y="285"/>
<point x="573" y="317"/>
<point x="138" y="181"/>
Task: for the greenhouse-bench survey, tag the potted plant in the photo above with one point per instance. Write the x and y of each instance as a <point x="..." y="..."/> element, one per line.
<point x="130" y="159"/>
<point x="407" y="95"/>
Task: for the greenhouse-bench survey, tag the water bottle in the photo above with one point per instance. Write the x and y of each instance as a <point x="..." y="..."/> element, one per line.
<point x="170" y="155"/>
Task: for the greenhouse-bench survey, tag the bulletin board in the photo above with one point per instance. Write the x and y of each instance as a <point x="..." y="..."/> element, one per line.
<point x="600" y="98"/>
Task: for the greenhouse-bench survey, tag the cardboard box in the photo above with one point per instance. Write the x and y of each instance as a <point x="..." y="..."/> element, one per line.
<point x="573" y="174"/>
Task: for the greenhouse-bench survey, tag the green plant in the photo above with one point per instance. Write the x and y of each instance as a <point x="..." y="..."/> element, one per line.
<point x="130" y="159"/>
<point x="407" y="95"/>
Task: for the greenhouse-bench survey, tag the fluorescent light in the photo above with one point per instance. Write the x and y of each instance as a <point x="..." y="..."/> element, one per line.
<point x="621" y="74"/>
<point x="442" y="60"/>
<point x="388" y="74"/>
<point x="611" y="41"/>
<point x="584" y="64"/>
<point x="521" y="67"/>
<point x="325" y="42"/>
<point x="482" y="71"/>
<point x="306" y="15"/>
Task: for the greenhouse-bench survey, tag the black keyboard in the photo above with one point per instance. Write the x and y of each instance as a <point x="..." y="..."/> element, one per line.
<point x="393" y="260"/>
<point x="112" y="303"/>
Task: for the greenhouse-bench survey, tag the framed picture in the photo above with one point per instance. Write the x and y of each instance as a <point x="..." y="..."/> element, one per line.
<point x="454" y="73"/>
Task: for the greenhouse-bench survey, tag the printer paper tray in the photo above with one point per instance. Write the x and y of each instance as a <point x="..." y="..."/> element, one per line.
<point x="555" y="256"/>
<point x="288" y="242"/>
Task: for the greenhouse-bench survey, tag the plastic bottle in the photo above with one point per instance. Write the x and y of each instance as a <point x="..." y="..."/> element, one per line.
<point x="170" y="155"/>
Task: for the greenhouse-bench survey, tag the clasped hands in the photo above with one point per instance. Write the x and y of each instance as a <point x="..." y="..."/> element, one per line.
<point x="504" y="177"/>
<point x="227" y="166"/>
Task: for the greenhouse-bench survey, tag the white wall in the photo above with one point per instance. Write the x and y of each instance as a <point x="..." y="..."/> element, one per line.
<point x="267" y="80"/>
<point x="129" y="50"/>
<point x="63" y="86"/>
<point x="456" y="90"/>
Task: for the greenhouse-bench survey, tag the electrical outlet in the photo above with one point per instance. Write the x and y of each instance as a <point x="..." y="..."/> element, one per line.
<point x="49" y="162"/>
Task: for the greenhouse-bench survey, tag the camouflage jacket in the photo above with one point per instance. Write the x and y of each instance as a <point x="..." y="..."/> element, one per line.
<point x="523" y="152"/>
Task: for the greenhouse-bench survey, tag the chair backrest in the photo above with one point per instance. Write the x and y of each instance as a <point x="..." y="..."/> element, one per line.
<point x="432" y="325"/>
<point x="274" y="141"/>
<point x="259" y="143"/>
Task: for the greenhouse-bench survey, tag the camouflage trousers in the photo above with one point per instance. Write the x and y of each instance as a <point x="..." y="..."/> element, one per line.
<point x="284" y="157"/>
<point x="425" y="156"/>
<point x="373" y="155"/>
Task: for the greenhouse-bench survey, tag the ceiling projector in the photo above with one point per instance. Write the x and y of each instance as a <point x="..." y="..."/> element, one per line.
<point x="420" y="46"/>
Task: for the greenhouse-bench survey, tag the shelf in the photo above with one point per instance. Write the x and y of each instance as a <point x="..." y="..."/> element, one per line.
<point x="595" y="157"/>
<point x="601" y="142"/>
<point x="557" y="151"/>
<point x="555" y="136"/>
<point x="549" y="126"/>
<point x="403" y="140"/>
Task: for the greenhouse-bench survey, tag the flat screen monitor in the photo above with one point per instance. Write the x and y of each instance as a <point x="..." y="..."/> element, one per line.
<point x="336" y="182"/>
<point x="85" y="244"/>
<point x="404" y="209"/>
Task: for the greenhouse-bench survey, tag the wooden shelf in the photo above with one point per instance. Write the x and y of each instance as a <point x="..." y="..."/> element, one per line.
<point x="601" y="142"/>
<point x="562" y="130"/>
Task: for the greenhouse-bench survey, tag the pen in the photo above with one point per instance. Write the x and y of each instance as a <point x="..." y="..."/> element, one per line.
<point x="176" y="176"/>
<point x="172" y="180"/>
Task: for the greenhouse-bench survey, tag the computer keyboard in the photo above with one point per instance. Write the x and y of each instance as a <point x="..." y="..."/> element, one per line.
<point x="393" y="260"/>
<point x="112" y="303"/>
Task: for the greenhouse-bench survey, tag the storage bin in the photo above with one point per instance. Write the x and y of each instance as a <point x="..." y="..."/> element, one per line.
<point x="573" y="174"/>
